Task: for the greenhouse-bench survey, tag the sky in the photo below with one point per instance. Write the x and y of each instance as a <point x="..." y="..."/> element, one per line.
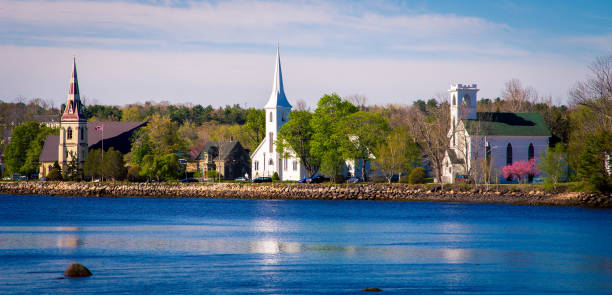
<point x="222" y="52"/>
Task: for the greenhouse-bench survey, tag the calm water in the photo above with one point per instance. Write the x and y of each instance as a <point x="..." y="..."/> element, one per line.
<point x="136" y="245"/>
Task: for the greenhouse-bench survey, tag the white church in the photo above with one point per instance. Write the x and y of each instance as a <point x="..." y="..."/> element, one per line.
<point x="482" y="143"/>
<point x="265" y="161"/>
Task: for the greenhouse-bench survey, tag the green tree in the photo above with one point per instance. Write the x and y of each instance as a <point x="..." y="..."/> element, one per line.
<point x="72" y="171"/>
<point x="295" y="137"/>
<point x="212" y="174"/>
<point x="554" y="165"/>
<point x="327" y="138"/>
<point x="158" y="138"/>
<point x="16" y="151"/>
<point x="359" y="134"/>
<point x="397" y="153"/>
<point x="417" y="175"/>
<point x="255" y="126"/>
<point x="161" y="167"/>
<point x="32" y="165"/>
<point x="592" y="163"/>
<point x="92" y="167"/>
<point x="55" y="173"/>
<point x="113" y="166"/>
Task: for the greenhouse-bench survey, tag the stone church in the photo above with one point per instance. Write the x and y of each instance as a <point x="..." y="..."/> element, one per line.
<point x="482" y="143"/>
<point x="265" y="161"/>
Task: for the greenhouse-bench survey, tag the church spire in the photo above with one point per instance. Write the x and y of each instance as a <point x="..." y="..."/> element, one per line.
<point x="278" y="98"/>
<point x="74" y="108"/>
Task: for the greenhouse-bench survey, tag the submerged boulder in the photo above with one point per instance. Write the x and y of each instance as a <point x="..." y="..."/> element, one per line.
<point x="372" y="290"/>
<point x="76" y="270"/>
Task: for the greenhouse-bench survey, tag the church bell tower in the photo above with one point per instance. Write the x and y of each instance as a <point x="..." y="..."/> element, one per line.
<point x="73" y="126"/>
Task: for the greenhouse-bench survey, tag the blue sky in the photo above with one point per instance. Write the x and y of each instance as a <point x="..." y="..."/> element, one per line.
<point x="222" y="52"/>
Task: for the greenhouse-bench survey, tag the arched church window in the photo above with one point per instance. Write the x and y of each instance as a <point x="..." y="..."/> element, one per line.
<point x="283" y="118"/>
<point x="82" y="135"/>
<point x="271" y="163"/>
<point x="466" y="100"/>
<point x="271" y="142"/>
<point x="69" y="133"/>
<point x="530" y="152"/>
<point x="454" y="100"/>
<point x="509" y="154"/>
<point x="270" y="116"/>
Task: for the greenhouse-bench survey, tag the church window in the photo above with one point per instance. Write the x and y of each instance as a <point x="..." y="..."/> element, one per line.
<point x="509" y="154"/>
<point x="285" y="164"/>
<point x="283" y="118"/>
<point x="69" y="133"/>
<point x="271" y="163"/>
<point x="256" y="164"/>
<point x="270" y="116"/>
<point x="271" y="142"/>
<point x="294" y="165"/>
<point x="454" y="100"/>
<point x="82" y="135"/>
<point x="466" y="100"/>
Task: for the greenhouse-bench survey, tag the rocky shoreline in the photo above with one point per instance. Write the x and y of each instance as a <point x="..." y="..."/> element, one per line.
<point x="383" y="192"/>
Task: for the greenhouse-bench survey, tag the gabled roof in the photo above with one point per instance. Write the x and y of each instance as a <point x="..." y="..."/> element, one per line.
<point x="49" y="151"/>
<point x="223" y="149"/>
<point x="453" y="157"/>
<point x="507" y="124"/>
<point x="277" y="97"/>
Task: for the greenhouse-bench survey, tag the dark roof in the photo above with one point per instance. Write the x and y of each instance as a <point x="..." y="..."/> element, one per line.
<point x="116" y="135"/>
<point x="49" y="151"/>
<point x="110" y="129"/>
<point x="453" y="157"/>
<point x="224" y="149"/>
<point x="507" y="124"/>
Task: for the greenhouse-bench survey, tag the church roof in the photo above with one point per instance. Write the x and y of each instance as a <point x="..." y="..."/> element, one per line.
<point x="277" y="97"/>
<point x="116" y="135"/>
<point x="453" y="157"/>
<point x="507" y="124"/>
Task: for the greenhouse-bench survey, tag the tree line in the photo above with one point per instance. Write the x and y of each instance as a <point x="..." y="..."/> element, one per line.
<point x="393" y="138"/>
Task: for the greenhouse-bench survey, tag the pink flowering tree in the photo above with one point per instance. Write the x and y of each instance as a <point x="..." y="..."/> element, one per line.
<point x="520" y="170"/>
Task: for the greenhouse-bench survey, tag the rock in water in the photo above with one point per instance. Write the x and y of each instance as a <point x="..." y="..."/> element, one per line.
<point x="372" y="290"/>
<point x="76" y="270"/>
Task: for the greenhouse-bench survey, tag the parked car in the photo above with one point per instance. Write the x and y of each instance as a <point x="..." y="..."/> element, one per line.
<point x="242" y="179"/>
<point x="189" y="179"/>
<point x="261" y="179"/>
<point x="317" y="179"/>
<point x="43" y="179"/>
<point x="6" y="178"/>
<point x="463" y="178"/>
<point x="23" y="177"/>
<point x="354" y="180"/>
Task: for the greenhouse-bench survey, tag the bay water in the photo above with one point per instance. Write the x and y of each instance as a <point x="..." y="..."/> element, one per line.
<point x="239" y="246"/>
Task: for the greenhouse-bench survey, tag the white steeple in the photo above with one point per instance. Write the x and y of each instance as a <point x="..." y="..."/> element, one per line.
<point x="278" y="98"/>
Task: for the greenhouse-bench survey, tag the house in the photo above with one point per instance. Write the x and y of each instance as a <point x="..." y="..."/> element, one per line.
<point x="228" y="158"/>
<point x="265" y="160"/>
<point x="77" y="136"/>
<point x="482" y="143"/>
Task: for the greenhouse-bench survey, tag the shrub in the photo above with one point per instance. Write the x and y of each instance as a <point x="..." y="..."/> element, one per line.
<point x="417" y="175"/>
<point x="275" y="176"/>
<point x="212" y="174"/>
<point x="133" y="174"/>
<point x="55" y="173"/>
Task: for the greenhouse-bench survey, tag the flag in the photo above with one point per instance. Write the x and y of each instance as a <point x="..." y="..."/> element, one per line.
<point x="99" y="127"/>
